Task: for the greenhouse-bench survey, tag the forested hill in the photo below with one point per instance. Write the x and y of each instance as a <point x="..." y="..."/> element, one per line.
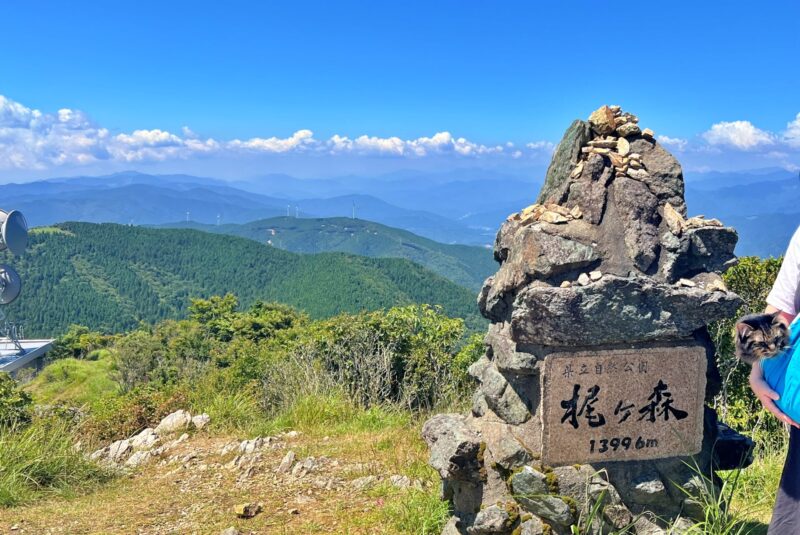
<point x="463" y="264"/>
<point x="110" y="277"/>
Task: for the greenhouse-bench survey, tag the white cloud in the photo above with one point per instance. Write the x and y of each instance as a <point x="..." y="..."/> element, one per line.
<point x="298" y="140"/>
<point x="741" y="135"/>
<point x="674" y="142"/>
<point x="30" y="139"/>
<point x="792" y="134"/>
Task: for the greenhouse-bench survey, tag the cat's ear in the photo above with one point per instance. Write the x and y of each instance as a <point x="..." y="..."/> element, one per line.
<point x="743" y="330"/>
<point x="776" y="318"/>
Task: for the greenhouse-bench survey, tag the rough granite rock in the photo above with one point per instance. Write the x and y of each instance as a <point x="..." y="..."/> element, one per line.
<point x="491" y="521"/>
<point x="564" y="158"/>
<point x="456" y="451"/>
<point x="615" y="310"/>
<point x="177" y="421"/>
<point x="616" y="262"/>
<point x="637" y="206"/>
<point x="505" y="395"/>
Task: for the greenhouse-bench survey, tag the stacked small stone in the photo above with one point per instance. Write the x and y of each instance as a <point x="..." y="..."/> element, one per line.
<point x="548" y="213"/>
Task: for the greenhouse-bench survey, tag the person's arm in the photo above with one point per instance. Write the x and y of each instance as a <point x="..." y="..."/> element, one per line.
<point x="781" y="299"/>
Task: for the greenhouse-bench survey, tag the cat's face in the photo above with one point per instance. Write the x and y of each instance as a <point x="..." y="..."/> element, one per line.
<point x="760" y="336"/>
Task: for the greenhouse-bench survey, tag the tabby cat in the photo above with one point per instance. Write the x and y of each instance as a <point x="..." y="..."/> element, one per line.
<point x="760" y="336"/>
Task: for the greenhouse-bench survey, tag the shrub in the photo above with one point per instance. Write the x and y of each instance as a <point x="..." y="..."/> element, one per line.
<point x="122" y="416"/>
<point x="15" y="404"/>
<point x="78" y="342"/>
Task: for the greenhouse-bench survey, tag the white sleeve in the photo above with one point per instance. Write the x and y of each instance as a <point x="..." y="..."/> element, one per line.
<point x="784" y="292"/>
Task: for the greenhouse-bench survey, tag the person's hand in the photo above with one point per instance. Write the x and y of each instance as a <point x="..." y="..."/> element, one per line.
<point x="767" y="396"/>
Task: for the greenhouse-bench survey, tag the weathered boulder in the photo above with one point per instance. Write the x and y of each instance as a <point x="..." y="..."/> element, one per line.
<point x="144" y="440"/>
<point x="456" y="451"/>
<point x="119" y="450"/>
<point x="506" y="354"/>
<point x="493" y="520"/>
<point x="615" y="310"/>
<point x="177" y="421"/>
<point x="637" y="205"/>
<point x="199" y="421"/>
<point x="506" y="396"/>
<point x="564" y="158"/>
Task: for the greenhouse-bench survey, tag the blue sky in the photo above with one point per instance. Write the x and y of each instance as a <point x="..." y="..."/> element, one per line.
<point x="242" y="88"/>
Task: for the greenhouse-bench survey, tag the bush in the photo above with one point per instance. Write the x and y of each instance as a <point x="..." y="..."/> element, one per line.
<point x="122" y="416"/>
<point x="15" y="404"/>
<point x="410" y="356"/>
<point x="77" y="343"/>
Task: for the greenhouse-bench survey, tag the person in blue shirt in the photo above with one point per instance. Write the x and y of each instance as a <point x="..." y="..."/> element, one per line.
<point x="784" y="299"/>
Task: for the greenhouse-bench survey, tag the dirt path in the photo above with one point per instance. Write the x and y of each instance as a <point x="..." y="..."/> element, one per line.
<point x="334" y="486"/>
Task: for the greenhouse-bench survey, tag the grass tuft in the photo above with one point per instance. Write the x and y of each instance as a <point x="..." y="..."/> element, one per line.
<point x="41" y="459"/>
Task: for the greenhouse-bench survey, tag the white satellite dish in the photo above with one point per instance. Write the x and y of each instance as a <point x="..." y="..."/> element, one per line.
<point x="13" y="232"/>
<point x="10" y="284"/>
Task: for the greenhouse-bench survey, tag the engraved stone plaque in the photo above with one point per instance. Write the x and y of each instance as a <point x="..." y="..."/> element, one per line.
<point x="623" y="404"/>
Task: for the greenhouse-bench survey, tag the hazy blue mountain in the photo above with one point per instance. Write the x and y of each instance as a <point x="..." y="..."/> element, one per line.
<point x="463" y="264"/>
<point x="458" y="206"/>
<point x="146" y="199"/>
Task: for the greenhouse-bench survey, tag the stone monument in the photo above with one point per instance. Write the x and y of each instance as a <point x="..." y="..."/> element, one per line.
<point x="598" y="361"/>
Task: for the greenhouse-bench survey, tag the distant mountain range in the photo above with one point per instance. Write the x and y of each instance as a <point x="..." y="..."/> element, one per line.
<point x="462" y="206"/>
<point x="463" y="264"/>
<point x="111" y="277"/>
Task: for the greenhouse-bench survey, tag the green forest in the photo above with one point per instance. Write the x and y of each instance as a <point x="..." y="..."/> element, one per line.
<point x="112" y="277"/>
<point x="463" y="264"/>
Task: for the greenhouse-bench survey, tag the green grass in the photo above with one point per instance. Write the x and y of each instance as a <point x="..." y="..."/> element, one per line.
<point x="419" y="512"/>
<point x="75" y="382"/>
<point x="40" y="460"/>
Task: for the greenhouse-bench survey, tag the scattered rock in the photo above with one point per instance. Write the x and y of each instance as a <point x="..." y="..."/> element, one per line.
<point x="648" y="134"/>
<point x="595" y="275"/>
<point x="118" y="450"/>
<point x="292" y="434"/>
<point x="293" y="511"/>
<point x="230" y="531"/>
<point x="287" y="462"/>
<point x="177" y="421"/>
<point x="201" y="420"/>
<point x="565" y="284"/>
<point x="584" y="279"/>
<point x="686" y="282"/>
<point x="304" y="467"/>
<point x="251" y="446"/>
<point x="247" y="510"/>
<point x="363" y="483"/>
<point x="138" y="458"/>
<point x="400" y="481"/>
